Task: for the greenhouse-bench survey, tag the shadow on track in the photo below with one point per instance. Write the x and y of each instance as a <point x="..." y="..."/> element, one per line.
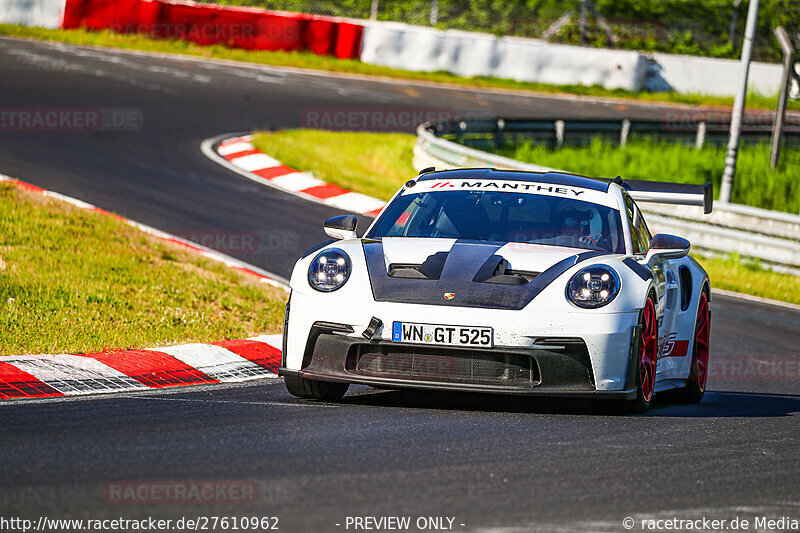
<point x="715" y="404"/>
<point x="731" y="404"/>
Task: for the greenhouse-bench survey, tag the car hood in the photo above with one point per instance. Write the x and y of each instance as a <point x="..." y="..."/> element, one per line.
<point x="484" y="274"/>
<point x="520" y="256"/>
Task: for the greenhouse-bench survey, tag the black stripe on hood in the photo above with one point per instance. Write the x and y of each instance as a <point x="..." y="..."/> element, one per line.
<point x="463" y="263"/>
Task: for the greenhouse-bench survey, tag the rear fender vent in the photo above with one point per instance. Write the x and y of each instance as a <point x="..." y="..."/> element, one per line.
<point x="686" y="287"/>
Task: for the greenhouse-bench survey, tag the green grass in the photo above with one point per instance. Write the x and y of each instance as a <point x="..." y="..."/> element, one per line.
<point x="756" y="183"/>
<point x="377" y="164"/>
<point x="307" y="60"/>
<point x="749" y="277"/>
<point x="78" y="281"/>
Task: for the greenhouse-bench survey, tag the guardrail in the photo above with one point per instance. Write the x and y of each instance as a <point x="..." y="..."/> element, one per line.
<point x="772" y="237"/>
<point x="674" y="127"/>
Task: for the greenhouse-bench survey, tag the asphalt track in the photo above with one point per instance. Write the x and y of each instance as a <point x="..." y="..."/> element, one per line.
<point x="486" y="461"/>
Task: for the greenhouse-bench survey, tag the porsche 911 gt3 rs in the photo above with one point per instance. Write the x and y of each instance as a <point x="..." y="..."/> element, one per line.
<point x="507" y="282"/>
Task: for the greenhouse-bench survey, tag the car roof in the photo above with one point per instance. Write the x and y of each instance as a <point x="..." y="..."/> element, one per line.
<point x="556" y="178"/>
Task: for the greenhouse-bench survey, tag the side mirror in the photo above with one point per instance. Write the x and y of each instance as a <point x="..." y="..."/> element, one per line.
<point x="341" y="227"/>
<point x="665" y="246"/>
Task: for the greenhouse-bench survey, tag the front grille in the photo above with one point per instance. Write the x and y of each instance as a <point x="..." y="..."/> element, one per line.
<point x="443" y="364"/>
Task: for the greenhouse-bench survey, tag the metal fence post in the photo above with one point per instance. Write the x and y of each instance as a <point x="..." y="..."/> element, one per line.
<point x="462" y="127"/>
<point x="624" y="132"/>
<point x="498" y="133"/>
<point x="700" y="140"/>
<point x="738" y="105"/>
<point x="559" y="124"/>
<point x="786" y="78"/>
<point x="582" y="23"/>
<point x="434" y="12"/>
<point x="373" y="10"/>
<point x="734" y="20"/>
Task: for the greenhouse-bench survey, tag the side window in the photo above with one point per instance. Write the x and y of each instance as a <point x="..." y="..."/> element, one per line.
<point x="644" y="232"/>
<point x="636" y="236"/>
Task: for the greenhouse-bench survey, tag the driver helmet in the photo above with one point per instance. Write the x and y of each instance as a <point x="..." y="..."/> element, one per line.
<point x="580" y="219"/>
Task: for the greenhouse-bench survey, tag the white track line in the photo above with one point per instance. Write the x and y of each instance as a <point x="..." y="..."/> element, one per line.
<point x="758" y="299"/>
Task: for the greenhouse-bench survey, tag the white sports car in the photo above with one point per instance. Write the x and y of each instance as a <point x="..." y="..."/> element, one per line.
<point x="507" y="282"/>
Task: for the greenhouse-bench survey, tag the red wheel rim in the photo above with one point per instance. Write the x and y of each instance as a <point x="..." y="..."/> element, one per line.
<point x="701" y="341"/>
<point x="649" y="351"/>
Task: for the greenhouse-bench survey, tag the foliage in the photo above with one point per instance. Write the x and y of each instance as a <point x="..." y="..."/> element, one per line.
<point x="756" y="183"/>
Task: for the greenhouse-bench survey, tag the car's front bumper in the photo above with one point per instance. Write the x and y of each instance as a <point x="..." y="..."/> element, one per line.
<point x="552" y="366"/>
<point x="607" y="337"/>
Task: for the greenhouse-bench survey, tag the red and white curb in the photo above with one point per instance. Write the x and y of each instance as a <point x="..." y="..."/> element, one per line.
<point x="40" y="376"/>
<point x="239" y="154"/>
<point x="43" y="376"/>
<point x="236" y="264"/>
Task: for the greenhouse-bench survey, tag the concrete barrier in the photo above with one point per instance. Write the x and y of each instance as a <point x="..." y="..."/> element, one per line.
<point x="705" y="75"/>
<point x="44" y="13"/>
<point x="427" y="49"/>
<point x="477" y="54"/>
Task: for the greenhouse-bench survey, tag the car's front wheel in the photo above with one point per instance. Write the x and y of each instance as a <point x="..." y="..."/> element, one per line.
<point x="317" y="390"/>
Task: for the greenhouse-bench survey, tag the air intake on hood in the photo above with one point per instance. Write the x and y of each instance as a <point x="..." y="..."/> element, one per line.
<point x="497" y="270"/>
<point x="430" y="269"/>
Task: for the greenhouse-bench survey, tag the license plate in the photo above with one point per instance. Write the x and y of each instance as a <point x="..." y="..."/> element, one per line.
<point x="480" y="337"/>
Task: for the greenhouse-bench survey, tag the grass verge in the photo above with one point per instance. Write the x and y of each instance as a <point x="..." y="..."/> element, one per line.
<point x="747" y="276"/>
<point x="377" y="164"/>
<point x="77" y="281"/>
<point x="308" y="60"/>
<point x="756" y="183"/>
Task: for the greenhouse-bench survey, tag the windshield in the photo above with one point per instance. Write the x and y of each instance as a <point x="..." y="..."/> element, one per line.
<point x="504" y="217"/>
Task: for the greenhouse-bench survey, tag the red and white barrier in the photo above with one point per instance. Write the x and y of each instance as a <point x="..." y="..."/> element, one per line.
<point x="205" y="24"/>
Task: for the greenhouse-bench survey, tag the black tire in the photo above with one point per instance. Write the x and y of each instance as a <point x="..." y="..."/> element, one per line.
<point x="316" y="390"/>
<point x="695" y="386"/>
<point x="643" y="399"/>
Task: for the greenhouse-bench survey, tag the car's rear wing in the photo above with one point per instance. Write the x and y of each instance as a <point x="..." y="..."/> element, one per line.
<point x="671" y="193"/>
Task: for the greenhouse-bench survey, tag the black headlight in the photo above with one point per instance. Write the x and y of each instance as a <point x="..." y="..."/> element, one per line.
<point x="593" y="286"/>
<point x="329" y="270"/>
